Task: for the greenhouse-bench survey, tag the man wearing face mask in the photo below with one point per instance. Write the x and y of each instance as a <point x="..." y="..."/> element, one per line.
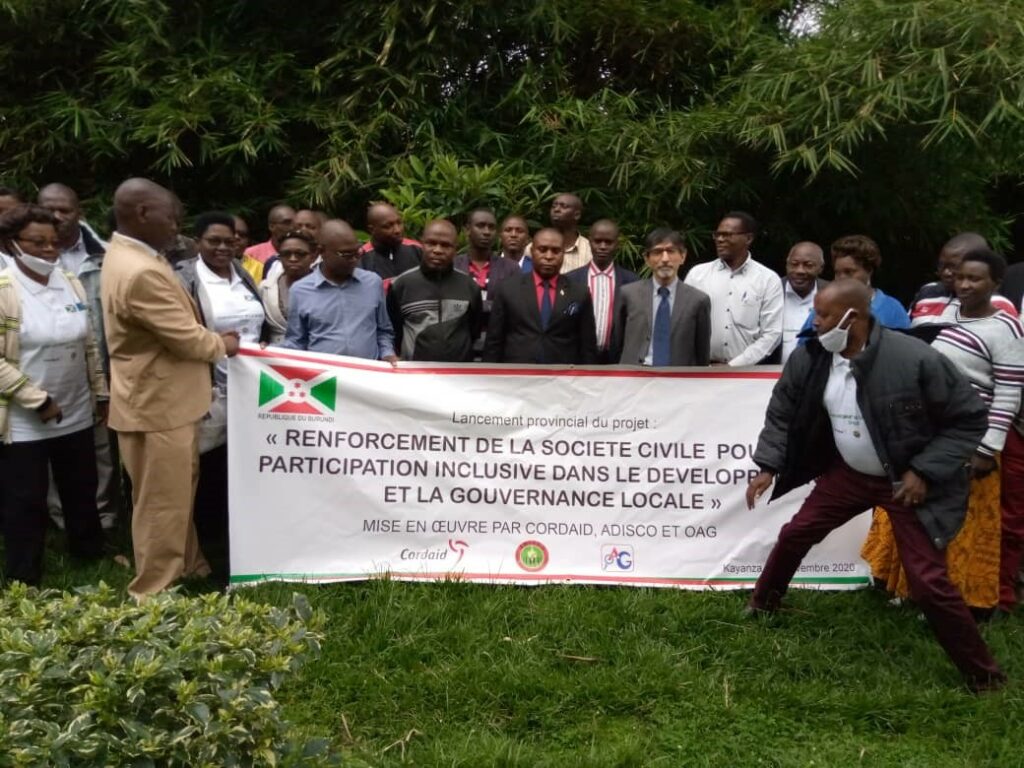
<point x="877" y="418"/>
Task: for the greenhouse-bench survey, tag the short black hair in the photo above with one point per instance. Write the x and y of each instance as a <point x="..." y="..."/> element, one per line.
<point x="11" y="192"/>
<point x="300" y="234"/>
<point x="206" y="220"/>
<point x="748" y="221"/>
<point x="996" y="263"/>
<point x="661" y="234"/>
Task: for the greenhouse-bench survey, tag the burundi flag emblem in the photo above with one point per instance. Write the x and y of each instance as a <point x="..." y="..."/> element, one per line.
<point x="290" y="389"/>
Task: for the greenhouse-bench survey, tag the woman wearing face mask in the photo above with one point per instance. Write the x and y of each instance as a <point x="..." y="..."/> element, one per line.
<point x="228" y="300"/>
<point x="52" y="393"/>
<point x="293" y="262"/>
<point x="857" y="257"/>
<point x="987" y="345"/>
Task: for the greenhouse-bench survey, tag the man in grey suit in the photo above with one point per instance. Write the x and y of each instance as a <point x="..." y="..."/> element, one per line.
<point x="663" y="321"/>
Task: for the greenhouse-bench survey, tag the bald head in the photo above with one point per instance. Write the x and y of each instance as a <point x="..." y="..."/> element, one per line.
<point x="845" y="303"/>
<point x="146" y="211"/>
<point x="384" y="223"/>
<point x="953" y="252"/>
<point x="335" y="228"/>
<point x="848" y="294"/>
<point x="339" y="249"/>
<point x="62" y="201"/>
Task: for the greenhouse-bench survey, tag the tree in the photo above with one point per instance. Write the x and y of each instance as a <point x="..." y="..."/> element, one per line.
<point x="899" y="119"/>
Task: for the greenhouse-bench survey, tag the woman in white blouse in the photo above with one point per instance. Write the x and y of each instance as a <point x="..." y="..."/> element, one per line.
<point x="228" y="300"/>
<point x="52" y="393"/>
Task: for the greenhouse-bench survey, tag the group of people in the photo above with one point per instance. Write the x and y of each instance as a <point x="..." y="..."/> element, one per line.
<point x="131" y="336"/>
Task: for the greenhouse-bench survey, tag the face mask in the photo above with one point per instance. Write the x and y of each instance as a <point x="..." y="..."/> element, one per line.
<point x="836" y="339"/>
<point x="41" y="267"/>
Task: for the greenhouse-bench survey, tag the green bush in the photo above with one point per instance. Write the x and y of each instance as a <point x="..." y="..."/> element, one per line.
<point x="88" y="679"/>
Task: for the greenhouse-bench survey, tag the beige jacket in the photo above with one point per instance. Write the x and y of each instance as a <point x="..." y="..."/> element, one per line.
<point x="14" y="385"/>
<point x="160" y="354"/>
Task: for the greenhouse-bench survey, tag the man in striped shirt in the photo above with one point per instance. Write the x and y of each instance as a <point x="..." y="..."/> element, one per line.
<point x="605" y="279"/>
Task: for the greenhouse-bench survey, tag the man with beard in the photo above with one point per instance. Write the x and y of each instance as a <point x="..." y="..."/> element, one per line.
<point x="435" y="309"/>
<point x="662" y="321"/>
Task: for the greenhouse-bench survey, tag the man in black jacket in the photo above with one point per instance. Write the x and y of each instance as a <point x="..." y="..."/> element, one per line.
<point x="542" y="317"/>
<point x="880" y="419"/>
<point x="436" y="310"/>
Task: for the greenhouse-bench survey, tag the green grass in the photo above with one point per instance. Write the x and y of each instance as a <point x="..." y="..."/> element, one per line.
<point x="470" y="675"/>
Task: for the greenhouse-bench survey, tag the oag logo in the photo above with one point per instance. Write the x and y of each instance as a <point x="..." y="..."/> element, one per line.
<point x="617" y="557"/>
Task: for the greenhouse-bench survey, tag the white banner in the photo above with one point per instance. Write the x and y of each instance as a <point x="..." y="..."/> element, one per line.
<point x="344" y="469"/>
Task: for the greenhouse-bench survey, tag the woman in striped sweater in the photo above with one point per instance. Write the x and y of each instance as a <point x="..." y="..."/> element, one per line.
<point x="987" y="344"/>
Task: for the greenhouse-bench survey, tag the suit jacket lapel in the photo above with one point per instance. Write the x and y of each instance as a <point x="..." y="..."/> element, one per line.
<point x="562" y="298"/>
<point x="677" y="304"/>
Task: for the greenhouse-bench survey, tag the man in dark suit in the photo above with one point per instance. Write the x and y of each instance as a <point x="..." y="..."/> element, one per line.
<point x="542" y="317"/>
<point x="604" y="279"/>
<point x="663" y="321"/>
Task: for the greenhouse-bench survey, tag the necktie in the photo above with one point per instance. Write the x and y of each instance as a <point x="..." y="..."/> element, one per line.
<point x="545" y="304"/>
<point x="660" y="346"/>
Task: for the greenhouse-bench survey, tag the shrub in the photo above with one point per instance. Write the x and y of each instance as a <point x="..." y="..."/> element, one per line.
<point x="88" y="679"/>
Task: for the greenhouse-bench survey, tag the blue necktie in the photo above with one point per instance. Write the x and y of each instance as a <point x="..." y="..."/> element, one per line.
<point x="545" y="304"/>
<point x="660" y="346"/>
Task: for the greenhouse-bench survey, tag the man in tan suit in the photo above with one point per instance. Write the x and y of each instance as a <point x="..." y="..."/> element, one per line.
<point x="160" y="357"/>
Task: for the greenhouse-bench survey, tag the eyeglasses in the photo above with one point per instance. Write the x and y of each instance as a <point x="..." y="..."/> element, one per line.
<point x="726" y="235"/>
<point x="346" y="255"/>
<point x="670" y="251"/>
<point x="41" y="245"/>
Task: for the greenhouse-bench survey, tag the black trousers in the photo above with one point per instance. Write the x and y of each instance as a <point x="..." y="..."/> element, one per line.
<point x="211" y="511"/>
<point x="25" y="468"/>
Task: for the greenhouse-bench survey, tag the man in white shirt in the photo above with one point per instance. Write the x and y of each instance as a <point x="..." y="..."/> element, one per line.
<point x="81" y="254"/>
<point x="746" y="296"/>
<point x="804" y="264"/>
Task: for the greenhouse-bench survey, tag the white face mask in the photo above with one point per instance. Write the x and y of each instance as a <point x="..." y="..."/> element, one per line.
<point x="836" y="339"/>
<point x="41" y="267"/>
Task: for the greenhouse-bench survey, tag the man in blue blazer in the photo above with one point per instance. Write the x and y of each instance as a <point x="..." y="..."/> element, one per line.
<point x="604" y="279"/>
<point x="541" y="317"/>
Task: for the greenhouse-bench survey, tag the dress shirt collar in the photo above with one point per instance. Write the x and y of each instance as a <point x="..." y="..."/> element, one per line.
<point x="537" y="279"/>
<point x="208" y="276"/>
<point x="797" y="296"/>
<point x="671" y="287"/>
<point x="138" y="244"/>
<point x="740" y="269"/>
<point x="320" y="278"/>
<point x="609" y="270"/>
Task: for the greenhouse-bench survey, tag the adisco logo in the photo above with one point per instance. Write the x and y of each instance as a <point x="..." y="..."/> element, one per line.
<point x="617" y="557"/>
<point x="532" y="556"/>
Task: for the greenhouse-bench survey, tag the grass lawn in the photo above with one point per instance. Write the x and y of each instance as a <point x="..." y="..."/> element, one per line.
<point x="465" y="675"/>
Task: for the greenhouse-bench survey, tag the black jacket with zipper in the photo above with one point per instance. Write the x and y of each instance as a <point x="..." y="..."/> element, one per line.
<point x="921" y="412"/>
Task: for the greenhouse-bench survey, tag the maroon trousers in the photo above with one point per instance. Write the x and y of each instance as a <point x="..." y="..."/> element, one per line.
<point x="843" y="493"/>
<point x="1012" y="503"/>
